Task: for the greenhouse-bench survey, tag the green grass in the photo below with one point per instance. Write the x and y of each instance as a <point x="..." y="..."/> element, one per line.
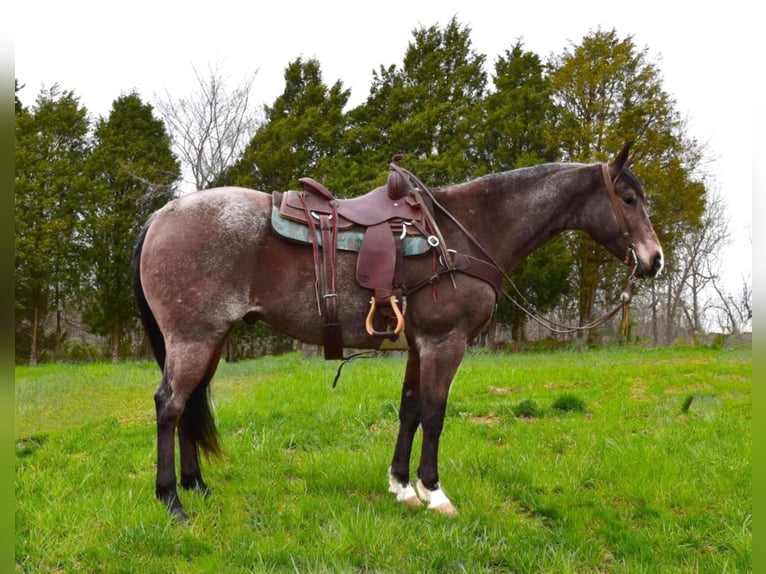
<point x="621" y="461"/>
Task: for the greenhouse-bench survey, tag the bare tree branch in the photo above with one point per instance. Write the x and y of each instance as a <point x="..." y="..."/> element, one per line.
<point x="211" y="127"/>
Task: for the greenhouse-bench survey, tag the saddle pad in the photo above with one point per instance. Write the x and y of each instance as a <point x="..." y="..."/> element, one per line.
<point x="348" y="240"/>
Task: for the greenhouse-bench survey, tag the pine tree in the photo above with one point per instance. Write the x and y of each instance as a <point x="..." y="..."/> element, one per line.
<point x="301" y="130"/>
<point x="51" y="148"/>
<point x="429" y="110"/>
<point x="133" y="170"/>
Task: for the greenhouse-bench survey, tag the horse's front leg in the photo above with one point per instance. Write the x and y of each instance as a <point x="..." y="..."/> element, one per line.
<point x="438" y="365"/>
<point x="409" y="420"/>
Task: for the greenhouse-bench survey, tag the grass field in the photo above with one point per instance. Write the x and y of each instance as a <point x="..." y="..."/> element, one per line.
<point x="621" y="460"/>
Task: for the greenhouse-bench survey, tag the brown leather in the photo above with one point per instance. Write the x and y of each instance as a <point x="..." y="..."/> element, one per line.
<point x="380" y="263"/>
<point x="333" y="337"/>
<point x="367" y="210"/>
<point x="398" y="187"/>
<point x="376" y="263"/>
<point x="480" y="269"/>
<point x="313" y="186"/>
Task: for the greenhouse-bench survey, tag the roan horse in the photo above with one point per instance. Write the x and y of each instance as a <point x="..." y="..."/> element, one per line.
<point x="210" y="258"/>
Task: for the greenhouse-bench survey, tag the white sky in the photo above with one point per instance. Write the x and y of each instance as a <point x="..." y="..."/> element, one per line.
<point x="712" y="57"/>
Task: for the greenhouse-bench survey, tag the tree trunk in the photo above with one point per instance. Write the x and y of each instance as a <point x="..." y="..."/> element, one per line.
<point x="33" y="343"/>
<point x="517" y="334"/>
<point x="115" y="343"/>
<point x="59" y="336"/>
<point x="585" y="309"/>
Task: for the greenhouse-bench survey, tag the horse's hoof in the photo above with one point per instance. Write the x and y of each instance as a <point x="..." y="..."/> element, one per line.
<point x="196" y="484"/>
<point x="412" y="501"/>
<point x="436" y="499"/>
<point x="445" y="508"/>
<point x="404" y="492"/>
<point x="180" y="516"/>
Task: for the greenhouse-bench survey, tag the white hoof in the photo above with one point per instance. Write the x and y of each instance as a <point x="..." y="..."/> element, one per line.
<point x="404" y="493"/>
<point x="436" y="499"/>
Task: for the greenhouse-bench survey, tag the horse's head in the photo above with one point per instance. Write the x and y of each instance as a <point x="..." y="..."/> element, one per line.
<point x="626" y="230"/>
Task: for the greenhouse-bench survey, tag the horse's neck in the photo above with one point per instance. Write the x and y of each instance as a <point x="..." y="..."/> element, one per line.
<point x="512" y="213"/>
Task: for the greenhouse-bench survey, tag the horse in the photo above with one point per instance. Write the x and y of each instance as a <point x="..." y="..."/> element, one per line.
<point x="211" y="258"/>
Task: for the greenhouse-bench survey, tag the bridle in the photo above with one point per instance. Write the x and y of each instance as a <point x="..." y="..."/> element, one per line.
<point x="625" y="297"/>
<point x="620" y="216"/>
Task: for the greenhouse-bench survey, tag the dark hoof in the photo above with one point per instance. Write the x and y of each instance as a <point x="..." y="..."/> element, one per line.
<point x="179" y="515"/>
<point x="174" y="506"/>
<point x="197" y="484"/>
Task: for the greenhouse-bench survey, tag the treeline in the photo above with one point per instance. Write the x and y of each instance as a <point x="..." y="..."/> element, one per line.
<point x="84" y="187"/>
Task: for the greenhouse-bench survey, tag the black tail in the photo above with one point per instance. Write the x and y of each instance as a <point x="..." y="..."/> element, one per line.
<point x="147" y="317"/>
<point x="197" y="419"/>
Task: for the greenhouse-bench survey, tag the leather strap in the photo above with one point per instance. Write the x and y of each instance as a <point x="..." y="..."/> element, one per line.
<point x="333" y="338"/>
<point x="325" y="284"/>
<point x="614" y="198"/>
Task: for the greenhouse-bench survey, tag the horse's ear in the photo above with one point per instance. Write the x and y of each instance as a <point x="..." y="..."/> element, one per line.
<point x="624" y="158"/>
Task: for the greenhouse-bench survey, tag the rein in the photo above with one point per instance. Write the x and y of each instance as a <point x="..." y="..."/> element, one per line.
<point x="554" y="327"/>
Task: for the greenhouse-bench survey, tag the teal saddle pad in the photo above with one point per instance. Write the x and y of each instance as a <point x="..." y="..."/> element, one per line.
<point x="349" y="240"/>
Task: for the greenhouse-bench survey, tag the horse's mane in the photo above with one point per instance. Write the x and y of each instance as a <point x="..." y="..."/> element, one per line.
<point x="540" y="170"/>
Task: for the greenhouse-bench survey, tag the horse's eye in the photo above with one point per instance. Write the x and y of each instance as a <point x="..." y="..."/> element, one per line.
<point x="630" y="200"/>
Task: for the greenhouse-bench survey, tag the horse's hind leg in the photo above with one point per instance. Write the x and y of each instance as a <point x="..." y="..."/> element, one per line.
<point x="188" y="369"/>
<point x="168" y="413"/>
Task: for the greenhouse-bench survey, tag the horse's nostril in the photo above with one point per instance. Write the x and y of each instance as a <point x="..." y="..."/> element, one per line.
<point x="657" y="264"/>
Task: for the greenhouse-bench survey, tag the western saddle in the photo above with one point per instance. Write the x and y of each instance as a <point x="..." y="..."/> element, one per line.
<point x="387" y="215"/>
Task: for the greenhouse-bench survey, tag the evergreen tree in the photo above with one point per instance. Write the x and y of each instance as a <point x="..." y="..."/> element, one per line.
<point x="520" y="113"/>
<point x="133" y="170"/>
<point x="430" y="110"/>
<point x="302" y="128"/>
<point x="51" y="148"/>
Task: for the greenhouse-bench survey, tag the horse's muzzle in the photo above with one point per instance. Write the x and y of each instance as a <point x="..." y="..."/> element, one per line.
<point x="654" y="267"/>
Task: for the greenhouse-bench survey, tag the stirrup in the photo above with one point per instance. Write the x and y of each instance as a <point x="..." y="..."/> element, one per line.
<point x="399" y="320"/>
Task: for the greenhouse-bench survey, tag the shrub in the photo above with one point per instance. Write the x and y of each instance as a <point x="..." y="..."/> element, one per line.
<point x="527" y="409"/>
<point x="569" y="403"/>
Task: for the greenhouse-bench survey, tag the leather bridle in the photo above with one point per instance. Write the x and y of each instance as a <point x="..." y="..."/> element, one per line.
<point x="616" y="203"/>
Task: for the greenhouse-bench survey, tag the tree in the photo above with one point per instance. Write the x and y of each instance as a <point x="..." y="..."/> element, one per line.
<point x="608" y="92"/>
<point x="302" y="128"/>
<point x="133" y="170"/>
<point x="519" y="113"/>
<point x="211" y="127"/>
<point x="430" y="110"/>
<point x="51" y="148"/>
<point x="734" y="312"/>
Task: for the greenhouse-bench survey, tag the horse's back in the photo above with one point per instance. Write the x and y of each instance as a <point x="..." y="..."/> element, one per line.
<point x="199" y="217"/>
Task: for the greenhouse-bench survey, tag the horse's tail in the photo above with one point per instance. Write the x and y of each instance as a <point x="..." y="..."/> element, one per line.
<point x="197" y="418"/>
<point x="156" y="339"/>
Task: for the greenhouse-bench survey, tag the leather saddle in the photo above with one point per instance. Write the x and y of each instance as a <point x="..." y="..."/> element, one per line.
<point x="386" y="215"/>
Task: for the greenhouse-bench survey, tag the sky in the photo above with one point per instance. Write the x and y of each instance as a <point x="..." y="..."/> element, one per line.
<point x="711" y="56"/>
